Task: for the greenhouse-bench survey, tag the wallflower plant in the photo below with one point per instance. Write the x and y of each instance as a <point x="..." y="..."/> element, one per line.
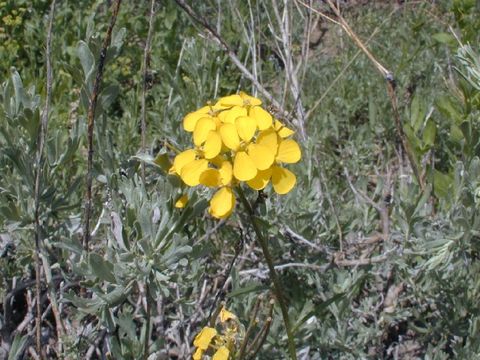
<point x="235" y="142"/>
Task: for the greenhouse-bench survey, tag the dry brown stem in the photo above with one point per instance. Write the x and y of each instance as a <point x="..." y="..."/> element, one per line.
<point x="91" y="122"/>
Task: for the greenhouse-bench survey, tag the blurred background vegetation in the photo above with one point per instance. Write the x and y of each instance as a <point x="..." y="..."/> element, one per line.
<point x="374" y="264"/>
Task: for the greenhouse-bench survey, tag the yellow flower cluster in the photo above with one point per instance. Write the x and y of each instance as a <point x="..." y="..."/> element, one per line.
<point x="236" y="140"/>
<point x="221" y="344"/>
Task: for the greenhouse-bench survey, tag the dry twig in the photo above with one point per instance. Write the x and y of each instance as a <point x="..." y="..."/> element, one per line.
<point x="391" y="86"/>
<point x="145" y="65"/>
<point x="91" y="122"/>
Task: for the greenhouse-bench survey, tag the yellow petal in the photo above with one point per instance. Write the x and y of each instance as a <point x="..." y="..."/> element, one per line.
<point x="229" y="135"/>
<point x="213" y="145"/>
<point x="282" y="130"/>
<point x="191" y="119"/>
<point x="182" y="159"/>
<point x="229" y="116"/>
<point x="246" y="127"/>
<point x="191" y="172"/>
<point x="226" y="315"/>
<point x="288" y="152"/>
<point x="261" y="180"/>
<point x="283" y="180"/>
<point x="244" y="168"/>
<point x="219" y="106"/>
<point x="261" y="155"/>
<point x="221" y="354"/>
<point x="268" y="138"/>
<point x="222" y="203"/>
<point x="249" y="100"/>
<point x="210" y="178"/>
<point x="198" y="354"/>
<point x="231" y="100"/>
<point x="202" y="128"/>
<point x="204" y="337"/>
<point x="263" y="117"/>
<point x="226" y="173"/>
<point x="181" y="202"/>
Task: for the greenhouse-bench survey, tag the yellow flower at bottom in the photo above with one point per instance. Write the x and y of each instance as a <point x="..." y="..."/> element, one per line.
<point x="221" y="354"/>
<point x="222" y="203"/>
<point x="226" y="315"/>
<point x="204" y="338"/>
<point x="181" y="202"/>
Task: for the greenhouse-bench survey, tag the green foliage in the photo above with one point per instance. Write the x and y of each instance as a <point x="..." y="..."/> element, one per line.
<point x="154" y="273"/>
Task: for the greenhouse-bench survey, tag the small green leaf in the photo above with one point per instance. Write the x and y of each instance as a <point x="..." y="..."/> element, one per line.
<point x="101" y="268"/>
<point x="20" y="95"/>
<point x="444" y="38"/>
<point x="17" y="348"/>
<point x="247" y="290"/>
<point x="442" y="183"/>
<point x="429" y="133"/>
<point x="86" y="58"/>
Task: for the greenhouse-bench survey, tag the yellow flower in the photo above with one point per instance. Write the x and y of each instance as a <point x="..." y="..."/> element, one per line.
<point x="204" y="338"/>
<point x="226" y="315"/>
<point x="190" y="121"/>
<point x="181" y="160"/>
<point x="272" y="149"/>
<point x="223" y="341"/>
<point x="262" y="117"/>
<point x="181" y="202"/>
<point x="236" y="141"/>
<point x="221" y="354"/>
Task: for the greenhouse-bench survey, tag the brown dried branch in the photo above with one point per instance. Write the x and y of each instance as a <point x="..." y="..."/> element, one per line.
<point x="251" y="325"/>
<point x="261" y="273"/>
<point x="91" y="122"/>
<point x="391" y="85"/>
<point x="145" y="65"/>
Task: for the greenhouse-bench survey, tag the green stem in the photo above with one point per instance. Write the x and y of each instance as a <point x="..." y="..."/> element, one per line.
<point x="277" y="287"/>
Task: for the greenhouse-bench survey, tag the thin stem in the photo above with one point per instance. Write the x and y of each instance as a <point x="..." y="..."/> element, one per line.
<point x="146" y="62"/>
<point x="147" y="320"/>
<point x="251" y="325"/>
<point x="277" y="286"/>
<point x="91" y="122"/>
<point x="262" y="334"/>
<point x="38" y="174"/>
<point x="391" y="85"/>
